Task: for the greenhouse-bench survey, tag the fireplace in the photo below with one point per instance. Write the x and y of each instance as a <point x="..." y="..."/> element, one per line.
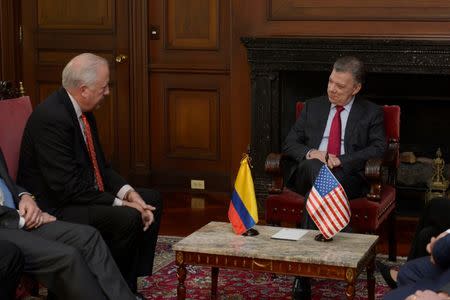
<point x="414" y="74"/>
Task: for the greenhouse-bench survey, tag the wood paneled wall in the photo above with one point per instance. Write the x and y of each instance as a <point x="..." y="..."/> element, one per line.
<point x="10" y="63"/>
<point x="55" y="31"/>
<point x="188" y="114"/>
<point x="190" y="93"/>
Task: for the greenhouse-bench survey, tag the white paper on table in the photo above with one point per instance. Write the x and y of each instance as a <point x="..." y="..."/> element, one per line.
<point x="289" y="234"/>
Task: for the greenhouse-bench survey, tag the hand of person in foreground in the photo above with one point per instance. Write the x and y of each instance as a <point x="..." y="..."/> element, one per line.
<point x="427" y="295"/>
<point x="146" y="214"/>
<point x="32" y="214"/>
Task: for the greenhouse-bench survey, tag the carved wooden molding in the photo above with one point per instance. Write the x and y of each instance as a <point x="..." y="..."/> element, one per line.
<point x="367" y="10"/>
<point x="9" y="42"/>
<point x="139" y="88"/>
<point x="274" y="266"/>
<point x="319" y="54"/>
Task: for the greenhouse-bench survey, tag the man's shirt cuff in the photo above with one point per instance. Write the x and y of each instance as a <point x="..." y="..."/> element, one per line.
<point x="21" y="221"/>
<point x="117" y="202"/>
<point x="24" y="193"/>
<point x="123" y="191"/>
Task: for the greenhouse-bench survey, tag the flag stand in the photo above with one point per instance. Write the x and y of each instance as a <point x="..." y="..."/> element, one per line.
<point x="251" y="232"/>
<point x="321" y="238"/>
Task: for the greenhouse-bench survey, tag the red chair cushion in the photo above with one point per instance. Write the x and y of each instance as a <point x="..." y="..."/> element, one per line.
<point x="368" y="215"/>
<point x="284" y="207"/>
<point x="14" y="114"/>
<point x="392" y="121"/>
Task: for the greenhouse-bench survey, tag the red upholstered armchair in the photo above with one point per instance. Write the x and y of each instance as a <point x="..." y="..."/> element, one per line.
<point x="14" y="113"/>
<point x="368" y="213"/>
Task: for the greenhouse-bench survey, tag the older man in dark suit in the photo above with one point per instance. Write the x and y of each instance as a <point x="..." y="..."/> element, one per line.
<point x="63" y="164"/>
<point x="341" y="130"/>
<point x="71" y="260"/>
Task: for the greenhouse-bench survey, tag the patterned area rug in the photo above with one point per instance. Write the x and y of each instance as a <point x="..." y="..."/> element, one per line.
<point x="234" y="285"/>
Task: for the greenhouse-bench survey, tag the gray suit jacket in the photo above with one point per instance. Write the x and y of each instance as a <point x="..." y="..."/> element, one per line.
<point x="9" y="218"/>
<point x="364" y="134"/>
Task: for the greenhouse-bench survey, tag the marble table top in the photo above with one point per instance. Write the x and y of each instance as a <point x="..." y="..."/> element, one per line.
<point x="345" y="250"/>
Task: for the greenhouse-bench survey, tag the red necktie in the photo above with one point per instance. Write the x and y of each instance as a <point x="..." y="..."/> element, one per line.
<point x="92" y="155"/>
<point x="334" y="140"/>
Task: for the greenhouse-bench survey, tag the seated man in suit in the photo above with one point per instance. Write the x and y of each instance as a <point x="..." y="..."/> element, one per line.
<point x="426" y="273"/>
<point x="71" y="260"/>
<point x="11" y="268"/>
<point x="342" y="130"/>
<point x="433" y="220"/>
<point x="63" y="164"/>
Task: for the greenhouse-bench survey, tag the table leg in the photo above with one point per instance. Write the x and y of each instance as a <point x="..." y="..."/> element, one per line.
<point x="181" y="288"/>
<point x="214" y="277"/>
<point x="371" y="279"/>
<point x="350" y="278"/>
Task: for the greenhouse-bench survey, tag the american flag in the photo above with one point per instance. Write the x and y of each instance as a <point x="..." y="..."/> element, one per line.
<point x="327" y="204"/>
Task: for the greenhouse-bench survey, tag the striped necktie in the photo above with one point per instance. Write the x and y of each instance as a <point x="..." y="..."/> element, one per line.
<point x="91" y="150"/>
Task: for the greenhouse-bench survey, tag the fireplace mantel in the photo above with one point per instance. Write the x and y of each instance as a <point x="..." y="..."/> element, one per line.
<point x="270" y="56"/>
<point x="379" y="55"/>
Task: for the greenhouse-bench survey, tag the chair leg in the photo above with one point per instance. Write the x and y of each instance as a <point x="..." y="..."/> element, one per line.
<point x="392" y="241"/>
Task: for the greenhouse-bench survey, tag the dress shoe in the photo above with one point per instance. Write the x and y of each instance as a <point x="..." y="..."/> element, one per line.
<point x="301" y="290"/>
<point x="385" y="271"/>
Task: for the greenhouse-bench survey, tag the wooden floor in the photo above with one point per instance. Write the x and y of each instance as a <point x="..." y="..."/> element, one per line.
<point x="184" y="213"/>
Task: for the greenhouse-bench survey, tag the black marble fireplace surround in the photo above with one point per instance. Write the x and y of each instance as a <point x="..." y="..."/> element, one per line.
<point x="414" y="74"/>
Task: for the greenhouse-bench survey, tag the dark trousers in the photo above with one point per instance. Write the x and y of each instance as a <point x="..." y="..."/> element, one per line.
<point x="121" y="228"/>
<point x="305" y="175"/>
<point x="434" y="219"/>
<point x="71" y="260"/>
<point x="419" y="274"/>
<point x="11" y="268"/>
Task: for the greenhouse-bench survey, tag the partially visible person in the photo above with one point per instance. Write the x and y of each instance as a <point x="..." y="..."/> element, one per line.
<point x="71" y="260"/>
<point x="341" y="130"/>
<point x="425" y="273"/>
<point x="11" y="268"/>
<point x="430" y="295"/>
<point x="433" y="220"/>
<point x="63" y="164"/>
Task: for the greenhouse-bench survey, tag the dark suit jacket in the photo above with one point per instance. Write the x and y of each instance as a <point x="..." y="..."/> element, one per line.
<point x="54" y="160"/>
<point x="364" y="134"/>
<point x="441" y="252"/>
<point x="9" y="218"/>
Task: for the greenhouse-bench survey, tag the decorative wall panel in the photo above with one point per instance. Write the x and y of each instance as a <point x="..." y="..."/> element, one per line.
<point x="348" y="10"/>
<point x="75" y="14"/>
<point x="192" y="124"/>
<point x="192" y="24"/>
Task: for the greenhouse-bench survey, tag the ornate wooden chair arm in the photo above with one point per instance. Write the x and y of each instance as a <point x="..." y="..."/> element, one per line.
<point x="273" y="168"/>
<point x="8" y="91"/>
<point x="392" y="154"/>
<point x="373" y="175"/>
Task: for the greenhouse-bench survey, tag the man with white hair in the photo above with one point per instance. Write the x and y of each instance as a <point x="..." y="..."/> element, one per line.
<point x="63" y="164"/>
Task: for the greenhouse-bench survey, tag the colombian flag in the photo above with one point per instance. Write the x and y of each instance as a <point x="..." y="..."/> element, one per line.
<point x="243" y="212"/>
